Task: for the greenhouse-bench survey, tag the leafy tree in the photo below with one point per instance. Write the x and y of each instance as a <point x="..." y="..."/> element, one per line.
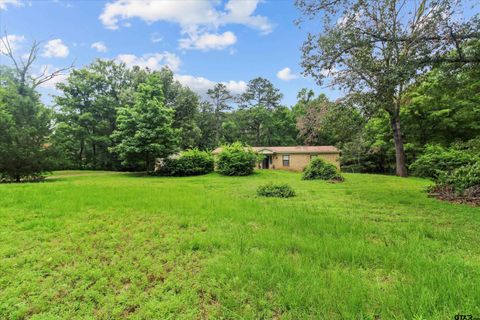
<point x="371" y="149"/>
<point x="331" y="123"/>
<point x="304" y="97"/>
<point x="232" y="129"/>
<point x="185" y="103"/>
<point x="253" y="123"/>
<point x="88" y="112"/>
<point x="261" y="119"/>
<point x="220" y="98"/>
<point x="260" y="92"/>
<point x="309" y="123"/>
<point x="281" y="128"/>
<point x="25" y="125"/>
<point x="379" y="47"/>
<point x="208" y="126"/>
<point x="443" y="106"/>
<point x="88" y="109"/>
<point x="144" y="131"/>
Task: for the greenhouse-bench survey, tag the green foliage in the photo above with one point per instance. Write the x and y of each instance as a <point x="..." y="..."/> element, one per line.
<point x="437" y="161"/>
<point x="24" y="131"/>
<point x="220" y="98"/>
<point x="321" y="122"/>
<point x="87" y="113"/>
<point x="442" y="107"/>
<point x="277" y="190"/>
<point x="321" y="169"/>
<point x="373" y="52"/>
<point x="185" y="104"/>
<point x="144" y="130"/>
<point x="89" y="106"/>
<point x="464" y="177"/>
<point x="236" y="159"/>
<point x="260" y="92"/>
<point x="189" y="163"/>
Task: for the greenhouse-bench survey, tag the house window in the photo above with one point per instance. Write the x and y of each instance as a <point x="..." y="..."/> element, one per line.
<point x="286" y="160"/>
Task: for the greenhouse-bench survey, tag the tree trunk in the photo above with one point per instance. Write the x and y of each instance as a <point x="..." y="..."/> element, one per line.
<point x="217" y="127"/>
<point x="147" y="162"/>
<point x="94" y="151"/>
<point x="400" y="158"/>
<point x="80" y="153"/>
<point x="257" y="138"/>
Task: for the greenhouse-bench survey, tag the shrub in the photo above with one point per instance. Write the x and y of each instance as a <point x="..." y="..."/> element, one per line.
<point x="276" y="190"/>
<point x="236" y="159"/>
<point x="320" y="169"/>
<point x="462" y="186"/>
<point x="189" y="163"/>
<point x="437" y="161"/>
<point x="464" y="178"/>
<point x="26" y="178"/>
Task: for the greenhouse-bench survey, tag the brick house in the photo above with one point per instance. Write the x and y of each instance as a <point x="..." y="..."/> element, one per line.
<point x="294" y="158"/>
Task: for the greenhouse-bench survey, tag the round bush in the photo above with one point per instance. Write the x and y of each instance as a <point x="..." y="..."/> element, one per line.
<point x="275" y="190"/>
<point x="236" y="160"/>
<point x="320" y="169"/>
<point x="189" y="163"/>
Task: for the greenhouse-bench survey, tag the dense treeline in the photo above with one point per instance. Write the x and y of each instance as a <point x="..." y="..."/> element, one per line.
<point x="97" y="104"/>
<point x="110" y="117"/>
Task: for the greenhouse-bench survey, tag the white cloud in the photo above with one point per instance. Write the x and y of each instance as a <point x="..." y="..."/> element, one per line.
<point x="236" y="87"/>
<point x="185" y="12"/>
<point x="55" y="48"/>
<point x="200" y="84"/>
<point x="14" y="41"/>
<point x="199" y="19"/>
<point x="241" y="12"/>
<point x="208" y="41"/>
<point x="153" y="61"/>
<point x="286" y="74"/>
<point x="99" y="46"/>
<point x="5" y="3"/>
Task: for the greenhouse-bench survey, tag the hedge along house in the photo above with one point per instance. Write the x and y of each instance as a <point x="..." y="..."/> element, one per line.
<point x="293" y="158"/>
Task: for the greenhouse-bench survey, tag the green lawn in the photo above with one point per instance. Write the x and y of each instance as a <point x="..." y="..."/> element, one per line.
<point x="86" y="245"/>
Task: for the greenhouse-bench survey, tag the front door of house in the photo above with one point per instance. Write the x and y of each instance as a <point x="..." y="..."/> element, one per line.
<point x="266" y="162"/>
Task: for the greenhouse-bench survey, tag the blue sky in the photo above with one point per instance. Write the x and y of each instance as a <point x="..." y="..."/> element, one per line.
<point x="204" y="42"/>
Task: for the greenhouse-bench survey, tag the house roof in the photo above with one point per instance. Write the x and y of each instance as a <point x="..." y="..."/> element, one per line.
<point x="292" y="149"/>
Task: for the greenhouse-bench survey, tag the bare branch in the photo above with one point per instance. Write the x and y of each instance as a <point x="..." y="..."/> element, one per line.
<point x="9" y="51"/>
<point x="23" y="67"/>
<point x="47" y="77"/>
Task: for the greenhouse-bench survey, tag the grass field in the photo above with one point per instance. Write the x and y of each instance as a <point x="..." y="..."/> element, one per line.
<point x="86" y="245"/>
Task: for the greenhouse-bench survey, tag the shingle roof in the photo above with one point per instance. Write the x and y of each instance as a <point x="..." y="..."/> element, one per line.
<point x="294" y="149"/>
